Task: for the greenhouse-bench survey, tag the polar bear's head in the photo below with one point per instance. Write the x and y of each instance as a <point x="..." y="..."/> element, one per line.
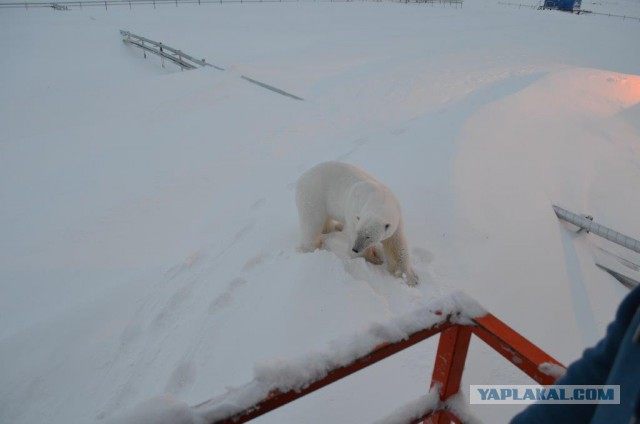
<point x="376" y="218"/>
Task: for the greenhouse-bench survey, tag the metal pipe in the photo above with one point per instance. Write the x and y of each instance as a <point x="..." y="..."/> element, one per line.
<point x="597" y="229"/>
<point x="270" y="87"/>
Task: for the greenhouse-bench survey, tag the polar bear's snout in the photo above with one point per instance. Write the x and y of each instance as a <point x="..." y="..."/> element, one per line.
<point x="363" y="241"/>
<point x="359" y="245"/>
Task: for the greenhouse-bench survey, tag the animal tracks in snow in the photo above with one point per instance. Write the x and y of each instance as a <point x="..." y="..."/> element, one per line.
<point x="181" y="378"/>
<point x="253" y="262"/>
<point x="258" y="204"/>
<point x="224" y="299"/>
<point x="178" y="298"/>
<point x="422" y="255"/>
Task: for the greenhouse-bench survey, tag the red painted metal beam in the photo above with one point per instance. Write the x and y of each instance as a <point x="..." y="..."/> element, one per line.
<point x="513" y="346"/>
<point x="450" y="359"/>
<point x="448" y="367"/>
<point x="276" y="399"/>
<point x="440" y="416"/>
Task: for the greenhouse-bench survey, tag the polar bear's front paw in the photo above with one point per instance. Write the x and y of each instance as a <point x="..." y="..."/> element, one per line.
<point x="411" y="279"/>
<point x="372" y="255"/>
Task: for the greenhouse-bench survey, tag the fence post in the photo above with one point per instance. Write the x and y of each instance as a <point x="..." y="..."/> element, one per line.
<point x="447" y="370"/>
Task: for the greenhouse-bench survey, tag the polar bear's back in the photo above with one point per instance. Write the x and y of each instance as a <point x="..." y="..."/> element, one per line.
<point x="328" y="184"/>
<point x="338" y="173"/>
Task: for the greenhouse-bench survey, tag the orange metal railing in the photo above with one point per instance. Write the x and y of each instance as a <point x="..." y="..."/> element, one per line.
<point x="447" y="372"/>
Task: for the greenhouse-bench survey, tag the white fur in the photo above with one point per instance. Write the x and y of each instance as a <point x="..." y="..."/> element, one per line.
<point x="368" y="211"/>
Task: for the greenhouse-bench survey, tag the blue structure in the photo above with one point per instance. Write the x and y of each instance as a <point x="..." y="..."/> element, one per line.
<point x="564" y="5"/>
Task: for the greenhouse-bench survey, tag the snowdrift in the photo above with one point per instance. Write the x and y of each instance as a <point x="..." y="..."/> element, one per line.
<point x="148" y="224"/>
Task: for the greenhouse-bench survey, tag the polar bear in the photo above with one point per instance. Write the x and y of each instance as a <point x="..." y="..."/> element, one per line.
<point x="335" y="195"/>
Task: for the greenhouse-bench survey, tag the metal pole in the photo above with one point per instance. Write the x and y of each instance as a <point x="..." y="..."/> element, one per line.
<point x="597" y="229"/>
<point x="449" y="364"/>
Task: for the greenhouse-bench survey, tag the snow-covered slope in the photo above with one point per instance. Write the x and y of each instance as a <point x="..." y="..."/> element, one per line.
<point x="148" y="224"/>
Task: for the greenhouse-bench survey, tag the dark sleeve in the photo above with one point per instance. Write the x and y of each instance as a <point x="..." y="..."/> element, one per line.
<point x="592" y="368"/>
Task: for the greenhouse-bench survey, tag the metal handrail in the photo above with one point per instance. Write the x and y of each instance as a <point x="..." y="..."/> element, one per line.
<point x="447" y="373"/>
<point x="180" y="53"/>
<point x="597" y="229"/>
<point x="182" y="64"/>
<point x="186" y="61"/>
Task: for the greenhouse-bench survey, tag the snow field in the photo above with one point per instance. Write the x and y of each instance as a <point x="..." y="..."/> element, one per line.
<point x="148" y="224"/>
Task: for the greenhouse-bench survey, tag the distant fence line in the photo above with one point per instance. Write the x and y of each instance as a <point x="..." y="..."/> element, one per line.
<point x="180" y="58"/>
<point x="520" y="5"/>
<point x="66" y="5"/>
<point x="578" y="12"/>
<point x="633" y="18"/>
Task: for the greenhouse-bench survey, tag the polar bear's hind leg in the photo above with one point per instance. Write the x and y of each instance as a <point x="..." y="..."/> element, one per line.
<point x="310" y="231"/>
<point x="312" y="222"/>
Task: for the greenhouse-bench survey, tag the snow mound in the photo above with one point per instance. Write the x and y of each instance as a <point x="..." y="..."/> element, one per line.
<point x="160" y="410"/>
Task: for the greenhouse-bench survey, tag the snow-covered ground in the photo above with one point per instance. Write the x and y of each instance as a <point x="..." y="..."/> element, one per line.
<point x="148" y="228"/>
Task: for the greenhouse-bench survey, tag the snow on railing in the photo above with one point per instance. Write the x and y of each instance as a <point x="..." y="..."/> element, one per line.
<point x="455" y="316"/>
